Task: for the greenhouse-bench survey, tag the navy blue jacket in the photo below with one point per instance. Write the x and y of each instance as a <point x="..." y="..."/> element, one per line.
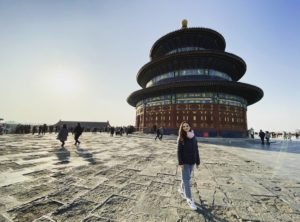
<point x="187" y="151"/>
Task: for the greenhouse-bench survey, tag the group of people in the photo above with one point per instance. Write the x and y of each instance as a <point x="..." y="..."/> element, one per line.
<point x="285" y="135"/>
<point x="288" y="136"/>
<point x="119" y="131"/>
<point x="63" y="134"/>
<point x="42" y="129"/>
<point x="264" y="135"/>
<point x="267" y="135"/>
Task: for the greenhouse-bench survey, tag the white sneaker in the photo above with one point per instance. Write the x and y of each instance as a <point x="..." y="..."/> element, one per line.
<point x="181" y="193"/>
<point x="191" y="204"/>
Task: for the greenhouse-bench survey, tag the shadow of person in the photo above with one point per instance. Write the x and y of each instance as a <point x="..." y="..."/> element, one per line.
<point x="208" y="213"/>
<point x="85" y="154"/>
<point x="63" y="155"/>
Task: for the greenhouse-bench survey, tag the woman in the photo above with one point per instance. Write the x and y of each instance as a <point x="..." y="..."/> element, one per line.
<point x="188" y="156"/>
<point x="63" y="135"/>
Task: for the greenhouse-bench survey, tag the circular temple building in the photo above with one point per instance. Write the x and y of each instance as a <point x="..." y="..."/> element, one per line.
<point x="191" y="77"/>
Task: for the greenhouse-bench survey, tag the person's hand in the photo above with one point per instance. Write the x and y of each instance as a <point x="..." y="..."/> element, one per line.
<point x="181" y="166"/>
<point x="197" y="166"/>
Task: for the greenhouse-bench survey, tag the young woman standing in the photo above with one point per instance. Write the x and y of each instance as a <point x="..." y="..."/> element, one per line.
<point x="188" y="156"/>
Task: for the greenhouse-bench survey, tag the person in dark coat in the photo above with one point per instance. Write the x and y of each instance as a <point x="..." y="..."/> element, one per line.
<point x="161" y="132"/>
<point x="262" y="136"/>
<point x="63" y="135"/>
<point x="157" y="134"/>
<point x="267" y="136"/>
<point x="188" y="156"/>
<point x="44" y="129"/>
<point x="40" y="129"/>
<point x="34" y="130"/>
<point x="77" y="133"/>
<point x="112" y="131"/>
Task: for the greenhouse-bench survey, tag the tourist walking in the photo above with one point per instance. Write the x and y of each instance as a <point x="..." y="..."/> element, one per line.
<point x="188" y="156"/>
<point x="262" y="136"/>
<point x="121" y="131"/>
<point x="268" y="137"/>
<point x="284" y="135"/>
<point x="40" y="129"/>
<point x="77" y="133"/>
<point x="251" y="133"/>
<point x="161" y="132"/>
<point x="34" y="130"/>
<point x="44" y="129"/>
<point x="157" y="134"/>
<point x="63" y="135"/>
<point x="112" y="131"/>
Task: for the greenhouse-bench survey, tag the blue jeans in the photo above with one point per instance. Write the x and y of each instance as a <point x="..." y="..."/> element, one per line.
<point x="185" y="180"/>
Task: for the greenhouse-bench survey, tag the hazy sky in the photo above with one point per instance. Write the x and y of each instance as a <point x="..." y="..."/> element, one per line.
<point x="78" y="60"/>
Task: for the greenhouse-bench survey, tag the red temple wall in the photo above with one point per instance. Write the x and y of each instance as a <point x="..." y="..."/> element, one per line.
<point x="200" y="116"/>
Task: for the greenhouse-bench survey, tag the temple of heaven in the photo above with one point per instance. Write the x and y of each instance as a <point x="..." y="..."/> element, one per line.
<point x="190" y="77"/>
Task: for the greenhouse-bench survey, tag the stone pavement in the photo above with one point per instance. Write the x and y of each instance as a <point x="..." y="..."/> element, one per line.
<point x="135" y="178"/>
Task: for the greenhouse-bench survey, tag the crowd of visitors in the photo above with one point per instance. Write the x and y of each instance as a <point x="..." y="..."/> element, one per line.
<point x="275" y="135"/>
<point x="121" y="130"/>
<point x="187" y="146"/>
<point x="44" y="128"/>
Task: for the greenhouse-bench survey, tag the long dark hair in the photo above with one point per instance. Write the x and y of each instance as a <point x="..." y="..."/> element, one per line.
<point x="181" y="133"/>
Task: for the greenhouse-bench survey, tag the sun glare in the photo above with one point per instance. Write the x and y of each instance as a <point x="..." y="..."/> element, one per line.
<point x="63" y="81"/>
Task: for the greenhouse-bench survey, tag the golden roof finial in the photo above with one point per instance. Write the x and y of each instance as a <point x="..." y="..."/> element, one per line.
<point x="184" y="23"/>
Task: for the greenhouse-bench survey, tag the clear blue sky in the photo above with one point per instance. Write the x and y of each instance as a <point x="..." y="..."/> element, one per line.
<point x="77" y="60"/>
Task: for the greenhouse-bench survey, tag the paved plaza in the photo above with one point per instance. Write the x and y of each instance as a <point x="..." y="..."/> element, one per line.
<point x="135" y="178"/>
